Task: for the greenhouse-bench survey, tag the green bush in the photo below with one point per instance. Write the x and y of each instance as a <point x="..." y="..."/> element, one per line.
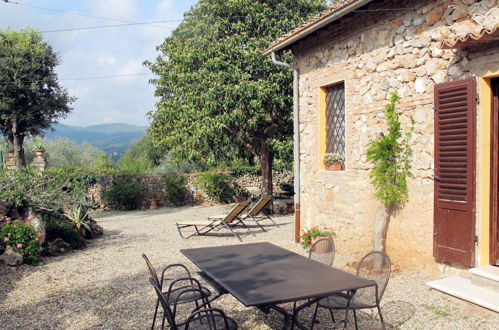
<point x="175" y="189"/>
<point x="280" y="165"/>
<point x="217" y="186"/>
<point x="125" y="192"/>
<point x="242" y="170"/>
<point x="51" y="190"/>
<point x="66" y="231"/>
<point x="22" y="237"/>
<point x="73" y="180"/>
<point x="287" y="187"/>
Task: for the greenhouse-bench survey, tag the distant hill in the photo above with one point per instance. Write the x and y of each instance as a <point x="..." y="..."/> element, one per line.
<point x="110" y="138"/>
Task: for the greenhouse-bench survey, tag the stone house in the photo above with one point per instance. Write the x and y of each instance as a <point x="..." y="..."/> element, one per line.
<point x="441" y="57"/>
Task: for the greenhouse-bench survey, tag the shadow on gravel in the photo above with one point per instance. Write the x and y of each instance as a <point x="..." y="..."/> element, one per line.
<point x="9" y="276"/>
<point x="395" y="313"/>
<point x="123" y="302"/>
<point x="127" y="302"/>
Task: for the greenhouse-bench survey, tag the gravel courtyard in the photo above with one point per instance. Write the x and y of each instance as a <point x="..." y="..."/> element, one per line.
<point x="105" y="285"/>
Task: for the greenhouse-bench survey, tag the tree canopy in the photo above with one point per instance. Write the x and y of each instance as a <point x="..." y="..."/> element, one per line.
<point x="218" y="94"/>
<point x="31" y="99"/>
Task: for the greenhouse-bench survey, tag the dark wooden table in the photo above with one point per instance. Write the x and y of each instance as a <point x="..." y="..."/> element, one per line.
<point x="265" y="275"/>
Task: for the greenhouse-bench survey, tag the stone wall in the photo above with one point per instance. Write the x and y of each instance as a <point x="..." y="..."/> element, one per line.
<point x="194" y="193"/>
<point x="375" y="53"/>
<point x="250" y="181"/>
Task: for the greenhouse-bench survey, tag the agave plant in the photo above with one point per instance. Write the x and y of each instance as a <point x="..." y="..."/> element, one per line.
<point x="78" y="215"/>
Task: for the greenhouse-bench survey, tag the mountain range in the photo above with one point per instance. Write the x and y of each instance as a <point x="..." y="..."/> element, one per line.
<point x="113" y="139"/>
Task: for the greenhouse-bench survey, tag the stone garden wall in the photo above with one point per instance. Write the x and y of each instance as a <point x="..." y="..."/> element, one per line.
<point x="375" y="53"/>
<point x="194" y="193"/>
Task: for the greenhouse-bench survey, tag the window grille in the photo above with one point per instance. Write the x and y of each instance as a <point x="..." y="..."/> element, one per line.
<point x="335" y="119"/>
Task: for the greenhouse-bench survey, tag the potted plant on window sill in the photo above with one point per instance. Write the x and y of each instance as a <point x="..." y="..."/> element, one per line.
<point x="332" y="161"/>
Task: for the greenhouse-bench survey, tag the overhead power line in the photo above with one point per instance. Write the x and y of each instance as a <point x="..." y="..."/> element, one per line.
<point x="151" y="23"/>
<point x="82" y="78"/>
<point x="107" y="26"/>
<point x="91" y="16"/>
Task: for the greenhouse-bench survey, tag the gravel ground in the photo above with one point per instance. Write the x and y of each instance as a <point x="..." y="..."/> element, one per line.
<point x="105" y="285"/>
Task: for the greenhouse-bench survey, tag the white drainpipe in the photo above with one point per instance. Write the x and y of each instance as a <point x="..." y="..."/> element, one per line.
<point x="296" y="136"/>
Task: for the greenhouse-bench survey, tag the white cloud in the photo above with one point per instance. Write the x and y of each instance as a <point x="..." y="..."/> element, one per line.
<point x="164" y="6"/>
<point x="106" y="61"/>
<point x="118" y="9"/>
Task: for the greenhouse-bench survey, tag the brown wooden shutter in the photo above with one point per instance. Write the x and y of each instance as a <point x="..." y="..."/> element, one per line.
<point x="455" y="158"/>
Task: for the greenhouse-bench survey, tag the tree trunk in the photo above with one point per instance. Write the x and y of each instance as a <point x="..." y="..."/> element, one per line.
<point x="381" y="228"/>
<point x="266" y="159"/>
<point x="17" y="141"/>
<point x="380" y="232"/>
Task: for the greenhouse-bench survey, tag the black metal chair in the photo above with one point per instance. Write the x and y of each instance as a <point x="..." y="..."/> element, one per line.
<point x="210" y="318"/>
<point x="201" y="318"/>
<point x="375" y="266"/>
<point x="177" y="285"/>
<point x="323" y="251"/>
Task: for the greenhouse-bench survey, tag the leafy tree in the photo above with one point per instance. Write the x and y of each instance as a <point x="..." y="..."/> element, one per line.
<point x="218" y="92"/>
<point x="31" y="99"/>
<point x="142" y="156"/>
<point x="104" y="164"/>
<point x="391" y="157"/>
<point x="65" y="152"/>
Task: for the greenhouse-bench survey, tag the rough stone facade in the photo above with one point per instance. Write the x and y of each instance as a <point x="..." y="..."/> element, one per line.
<point x="375" y="53"/>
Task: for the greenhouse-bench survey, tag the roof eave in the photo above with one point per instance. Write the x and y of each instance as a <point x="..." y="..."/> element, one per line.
<point x="342" y="11"/>
<point x="471" y="39"/>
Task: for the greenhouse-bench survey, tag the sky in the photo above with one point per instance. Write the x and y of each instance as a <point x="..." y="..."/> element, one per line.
<point x="101" y="52"/>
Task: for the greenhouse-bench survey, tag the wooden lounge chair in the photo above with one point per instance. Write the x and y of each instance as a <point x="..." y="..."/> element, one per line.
<point x="216" y="222"/>
<point x="254" y="214"/>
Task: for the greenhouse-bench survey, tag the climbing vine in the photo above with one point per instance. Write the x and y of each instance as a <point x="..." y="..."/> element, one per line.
<point x="391" y="156"/>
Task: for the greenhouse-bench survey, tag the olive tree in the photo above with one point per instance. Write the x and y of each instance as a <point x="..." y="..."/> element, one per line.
<point x="31" y="99"/>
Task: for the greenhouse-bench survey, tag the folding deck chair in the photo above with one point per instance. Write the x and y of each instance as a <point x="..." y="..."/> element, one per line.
<point x="216" y="222"/>
<point x="259" y="207"/>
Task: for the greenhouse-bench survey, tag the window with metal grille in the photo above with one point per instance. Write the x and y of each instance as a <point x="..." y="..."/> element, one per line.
<point x="335" y="119"/>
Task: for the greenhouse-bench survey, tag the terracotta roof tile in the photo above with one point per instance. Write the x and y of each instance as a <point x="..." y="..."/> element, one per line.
<point x="338" y="5"/>
<point x="470" y="39"/>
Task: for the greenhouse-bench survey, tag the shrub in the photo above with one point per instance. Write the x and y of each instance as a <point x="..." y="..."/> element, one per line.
<point x="22" y="238"/>
<point x="66" y="231"/>
<point x="175" y="189"/>
<point x="51" y="190"/>
<point x="243" y="170"/>
<point x="287" y="187"/>
<point x="125" y="192"/>
<point x="73" y="180"/>
<point x="217" y="186"/>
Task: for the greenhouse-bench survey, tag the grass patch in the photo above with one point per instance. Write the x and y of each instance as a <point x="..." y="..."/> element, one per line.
<point x="441" y="311"/>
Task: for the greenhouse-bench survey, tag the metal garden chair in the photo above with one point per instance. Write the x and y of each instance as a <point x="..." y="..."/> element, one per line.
<point x="210" y="318"/>
<point x="176" y="286"/>
<point x="323" y="250"/>
<point x="204" y="318"/>
<point x="375" y="266"/>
